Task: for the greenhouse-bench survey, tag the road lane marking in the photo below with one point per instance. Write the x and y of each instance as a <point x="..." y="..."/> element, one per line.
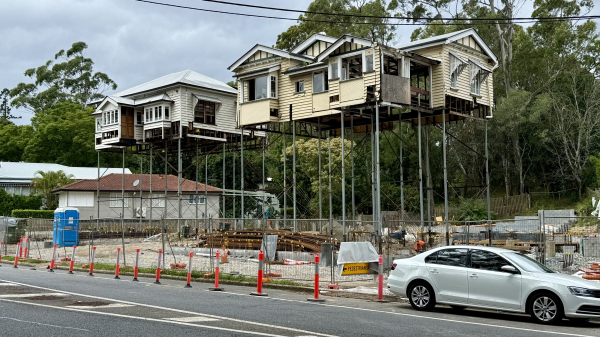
<point x="30" y="295"/>
<point x="50" y="325"/>
<point x="192" y="319"/>
<point x="106" y="306"/>
<point x="175" y="310"/>
<point x="7" y="284"/>
<point x="143" y="318"/>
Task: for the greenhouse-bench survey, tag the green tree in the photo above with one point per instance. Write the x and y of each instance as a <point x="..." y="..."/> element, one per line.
<point x="46" y="183"/>
<point x="334" y="25"/>
<point x="232" y="84"/>
<point x="64" y="135"/>
<point x="13" y="141"/>
<point x="5" y="115"/>
<point x="73" y="79"/>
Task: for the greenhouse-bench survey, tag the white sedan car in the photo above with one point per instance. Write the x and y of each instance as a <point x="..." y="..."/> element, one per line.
<point x="493" y="278"/>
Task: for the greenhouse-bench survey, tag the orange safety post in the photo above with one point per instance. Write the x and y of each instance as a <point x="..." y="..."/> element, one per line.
<point x="261" y="258"/>
<point x="53" y="259"/>
<point x="17" y="254"/>
<point x="316" y="296"/>
<point x="137" y="263"/>
<point x="118" y="266"/>
<point x="92" y="262"/>
<point x="380" y="285"/>
<point x="72" y="260"/>
<point x="21" y="247"/>
<point x="158" y="265"/>
<point x="216" y="288"/>
<point x="25" y="255"/>
<point x="1" y="246"/>
<point x="189" y="273"/>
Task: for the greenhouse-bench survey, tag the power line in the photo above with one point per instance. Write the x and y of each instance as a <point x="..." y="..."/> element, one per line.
<point x="399" y="17"/>
<point x="338" y="22"/>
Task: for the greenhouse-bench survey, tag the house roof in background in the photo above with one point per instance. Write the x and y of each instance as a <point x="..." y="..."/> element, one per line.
<point x="113" y="182"/>
<point x="20" y="171"/>
<point x="185" y="77"/>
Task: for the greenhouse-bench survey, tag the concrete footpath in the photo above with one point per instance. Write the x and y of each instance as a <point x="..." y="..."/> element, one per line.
<point x="37" y="302"/>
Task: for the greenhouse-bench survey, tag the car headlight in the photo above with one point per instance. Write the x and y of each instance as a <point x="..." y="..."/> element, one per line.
<point x="578" y="291"/>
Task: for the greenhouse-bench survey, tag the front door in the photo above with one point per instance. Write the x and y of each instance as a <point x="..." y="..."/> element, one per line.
<point x="448" y="270"/>
<point x="489" y="285"/>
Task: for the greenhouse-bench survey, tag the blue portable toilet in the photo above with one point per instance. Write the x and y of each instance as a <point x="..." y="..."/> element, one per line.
<point x="66" y="227"/>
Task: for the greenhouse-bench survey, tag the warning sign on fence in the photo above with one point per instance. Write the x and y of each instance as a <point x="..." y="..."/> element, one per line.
<point x="355" y="268"/>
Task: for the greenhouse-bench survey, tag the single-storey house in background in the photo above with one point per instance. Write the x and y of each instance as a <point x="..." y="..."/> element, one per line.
<point x="83" y="195"/>
<point x="15" y="178"/>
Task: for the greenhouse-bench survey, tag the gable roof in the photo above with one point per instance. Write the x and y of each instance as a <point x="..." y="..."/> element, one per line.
<point x="274" y="51"/>
<point x="312" y="39"/>
<point x="448" y="38"/>
<point x="24" y="172"/>
<point x="113" y="182"/>
<point x="184" y="77"/>
<point x="345" y="38"/>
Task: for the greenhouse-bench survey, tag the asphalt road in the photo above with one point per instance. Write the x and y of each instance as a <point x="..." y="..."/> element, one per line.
<point x="40" y="303"/>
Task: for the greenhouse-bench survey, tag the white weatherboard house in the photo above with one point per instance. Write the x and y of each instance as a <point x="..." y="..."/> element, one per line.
<point x="184" y="103"/>
<point x="15" y="177"/>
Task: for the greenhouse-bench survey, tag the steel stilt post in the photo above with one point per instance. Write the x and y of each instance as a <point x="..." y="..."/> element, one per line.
<point x="284" y="181"/>
<point x="343" y="175"/>
<point x="320" y="168"/>
<point x="205" y="188"/>
<point x="166" y="204"/>
<point x="196" y="196"/>
<point x="487" y="184"/>
<point x="242" y="176"/>
<point x="234" y="193"/>
<point x="420" y="170"/>
<point x="445" y="178"/>
<point x="378" y="179"/>
<point x="401" y="174"/>
<point x="352" y="170"/>
<point x="179" y="176"/>
<point x="223" y="210"/>
<point x="294" y="171"/>
<point x="151" y="198"/>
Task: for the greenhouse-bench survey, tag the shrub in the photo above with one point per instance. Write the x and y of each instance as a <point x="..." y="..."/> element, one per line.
<point x="33" y="213"/>
<point x="8" y="202"/>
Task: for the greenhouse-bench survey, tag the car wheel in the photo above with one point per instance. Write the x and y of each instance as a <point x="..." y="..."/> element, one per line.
<point x="421" y="296"/>
<point x="457" y="307"/>
<point x="546" y="308"/>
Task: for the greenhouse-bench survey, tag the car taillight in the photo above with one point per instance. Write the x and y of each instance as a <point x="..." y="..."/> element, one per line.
<point x="394" y="266"/>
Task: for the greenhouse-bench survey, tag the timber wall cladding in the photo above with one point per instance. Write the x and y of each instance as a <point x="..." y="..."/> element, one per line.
<point x="352" y="90"/>
<point x="320" y="102"/>
<point x="439" y="82"/>
<point x="255" y="112"/>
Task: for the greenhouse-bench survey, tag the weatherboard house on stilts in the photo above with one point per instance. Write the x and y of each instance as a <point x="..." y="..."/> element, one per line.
<point x="326" y="85"/>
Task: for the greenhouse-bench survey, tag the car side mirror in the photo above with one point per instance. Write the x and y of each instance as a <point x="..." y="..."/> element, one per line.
<point x="509" y="269"/>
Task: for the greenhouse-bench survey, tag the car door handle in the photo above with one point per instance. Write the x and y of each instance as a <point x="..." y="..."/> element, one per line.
<point x="434" y="271"/>
<point x="473" y="276"/>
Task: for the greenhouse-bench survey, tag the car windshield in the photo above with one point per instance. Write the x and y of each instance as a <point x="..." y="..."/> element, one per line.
<point x="528" y="264"/>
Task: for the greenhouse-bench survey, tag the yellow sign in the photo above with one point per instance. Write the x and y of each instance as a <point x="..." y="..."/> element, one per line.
<point x="355" y="268"/>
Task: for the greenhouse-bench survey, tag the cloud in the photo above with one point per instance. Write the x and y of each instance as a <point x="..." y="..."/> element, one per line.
<point x="132" y="42"/>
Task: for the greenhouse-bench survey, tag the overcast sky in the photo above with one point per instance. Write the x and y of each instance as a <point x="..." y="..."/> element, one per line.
<point x="135" y="42"/>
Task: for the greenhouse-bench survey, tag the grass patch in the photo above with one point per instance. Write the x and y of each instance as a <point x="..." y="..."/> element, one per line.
<point x="11" y="258"/>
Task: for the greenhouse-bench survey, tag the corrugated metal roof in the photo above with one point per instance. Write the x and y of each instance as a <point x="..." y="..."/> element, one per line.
<point x="187" y="76"/>
<point x="11" y="171"/>
<point x="114" y="182"/>
<point x="431" y="39"/>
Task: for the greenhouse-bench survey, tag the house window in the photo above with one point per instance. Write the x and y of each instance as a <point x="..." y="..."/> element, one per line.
<point x="257" y="88"/>
<point x="334" y="98"/>
<point x="196" y="199"/>
<point x="110" y="117"/>
<point x="98" y="124"/>
<point x="273" y="87"/>
<point x="369" y="63"/>
<point x="406" y="67"/>
<point x="299" y="86"/>
<point x="158" y="200"/>
<point x="80" y="199"/>
<point x="334" y="71"/>
<point x="166" y="113"/>
<point x="319" y="82"/>
<point x="204" y="112"/>
<point x="456" y="67"/>
<point x="115" y="200"/>
<point x="390" y="66"/>
<point x="274" y="113"/>
<point x="478" y="75"/>
<point x="352" y="67"/>
<point x="139" y="115"/>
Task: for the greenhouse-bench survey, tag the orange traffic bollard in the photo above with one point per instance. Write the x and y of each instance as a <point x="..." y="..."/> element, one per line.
<point x="216" y="288"/>
<point x="72" y="260"/>
<point x="261" y="257"/>
<point x="316" y="295"/>
<point x="158" y="265"/>
<point x="137" y="263"/>
<point x="92" y="261"/>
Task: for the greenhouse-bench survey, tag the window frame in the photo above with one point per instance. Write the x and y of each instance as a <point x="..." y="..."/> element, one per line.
<point x="158" y="200"/>
<point x="344" y="74"/>
<point x="205" y="113"/>
<point x="115" y="200"/>
<point x="253" y="92"/>
<point x="156" y="113"/>
<point x="296" y="87"/>
<point x="324" y="81"/>
<point x="467" y="256"/>
<point x="196" y="199"/>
